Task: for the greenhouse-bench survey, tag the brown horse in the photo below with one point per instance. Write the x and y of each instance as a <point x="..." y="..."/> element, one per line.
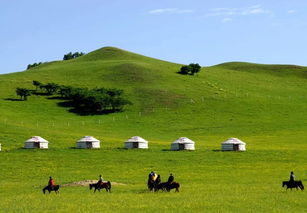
<point x="173" y="185"/>
<point x="295" y="184"/>
<point x="103" y="185"/>
<point x="55" y="188"/>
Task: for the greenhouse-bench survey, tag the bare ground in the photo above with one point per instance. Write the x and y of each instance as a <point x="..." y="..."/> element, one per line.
<point x="87" y="182"/>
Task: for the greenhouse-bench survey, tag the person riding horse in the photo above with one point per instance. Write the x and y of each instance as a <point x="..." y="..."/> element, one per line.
<point x="292" y="179"/>
<point x="170" y="179"/>
<point x="100" y="180"/>
<point x="152" y="177"/>
<point x="51" y="182"/>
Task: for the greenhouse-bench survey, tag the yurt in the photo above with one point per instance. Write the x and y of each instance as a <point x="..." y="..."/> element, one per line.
<point x="233" y="144"/>
<point x="36" y="142"/>
<point x="183" y="143"/>
<point x="136" y="142"/>
<point x="88" y="142"/>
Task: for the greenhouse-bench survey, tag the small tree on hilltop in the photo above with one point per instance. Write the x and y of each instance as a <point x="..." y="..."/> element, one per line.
<point x="184" y="70"/>
<point x="195" y="68"/>
<point x="190" y="69"/>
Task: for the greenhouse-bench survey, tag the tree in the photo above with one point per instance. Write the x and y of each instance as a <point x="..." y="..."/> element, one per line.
<point x="71" y="55"/>
<point x="184" y="70"/>
<point x="36" y="84"/>
<point x="190" y="69"/>
<point x="50" y="88"/>
<point x="195" y="68"/>
<point x="23" y="93"/>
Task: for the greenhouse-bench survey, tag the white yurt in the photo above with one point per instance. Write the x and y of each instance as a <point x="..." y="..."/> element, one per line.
<point x="136" y="142"/>
<point x="88" y="142"/>
<point x="36" y="142"/>
<point x="183" y="143"/>
<point x="233" y="144"/>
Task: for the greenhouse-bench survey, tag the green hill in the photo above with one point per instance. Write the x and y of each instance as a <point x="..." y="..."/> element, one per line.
<point x="218" y="101"/>
<point x="263" y="105"/>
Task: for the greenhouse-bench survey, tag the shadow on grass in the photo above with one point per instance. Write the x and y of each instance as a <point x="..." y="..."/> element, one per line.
<point x="41" y="93"/>
<point x="168" y="150"/>
<point x="82" y="111"/>
<point x="13" y="99"/>
<point x="217" y="150"/>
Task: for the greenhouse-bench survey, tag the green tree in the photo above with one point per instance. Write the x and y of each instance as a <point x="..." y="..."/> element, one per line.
<point x="195" y="68"/>
<point x="190" y="69"/>
<point x="36" y="84"/>
<point x="23" y="93"/>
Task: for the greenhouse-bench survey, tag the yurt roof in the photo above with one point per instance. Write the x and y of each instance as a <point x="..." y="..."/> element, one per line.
<point x="233" y="141"/>
<point x="88" y="139"/>
<point x="183" y="140"/>
<point x="137" y="139"/>
<point x="36" y="139"/>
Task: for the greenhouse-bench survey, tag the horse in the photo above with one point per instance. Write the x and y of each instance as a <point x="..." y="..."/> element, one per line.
<point x="173" y="185"/>
<point x="294" y="184"/>
<point x="55" y="188"/>
<point x="161" y="186"/>
<point x="103" y="185"/>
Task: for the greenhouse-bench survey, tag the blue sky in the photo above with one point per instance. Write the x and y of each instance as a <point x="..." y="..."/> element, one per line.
<point x="183" y="31"/>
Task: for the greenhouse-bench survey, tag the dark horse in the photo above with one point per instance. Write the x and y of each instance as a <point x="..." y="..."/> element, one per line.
<point x="55" y="188"/>
<point x="294" y="184"/>
<point x="167" y="186"/>
<point x="161" y="186"/>
<point x="103" y="185"/>
<point x="173" y="185"/>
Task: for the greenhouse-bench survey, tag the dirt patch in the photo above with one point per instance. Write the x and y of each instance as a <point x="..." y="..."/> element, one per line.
<point x="87" y="182"/>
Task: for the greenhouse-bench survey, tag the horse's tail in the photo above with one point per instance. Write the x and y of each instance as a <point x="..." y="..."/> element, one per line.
<point x="301" y="183"/>
<point x="90" y="185"/>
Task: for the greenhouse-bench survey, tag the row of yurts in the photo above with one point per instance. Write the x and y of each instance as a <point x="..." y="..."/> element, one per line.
<point x="89" y="142"/>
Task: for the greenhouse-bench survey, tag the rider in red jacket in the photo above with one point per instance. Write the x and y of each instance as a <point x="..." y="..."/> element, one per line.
<point x="51" y="182"/>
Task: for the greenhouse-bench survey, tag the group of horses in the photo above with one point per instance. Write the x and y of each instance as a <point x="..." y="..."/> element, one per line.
<point x="155" y="184"/>
<point x="97" y="186"/>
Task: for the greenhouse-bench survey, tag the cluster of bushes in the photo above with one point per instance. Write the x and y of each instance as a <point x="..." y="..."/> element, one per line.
<point x="190" y="69"/>
<point x="71" y="55"/>
<point x="98" y="100"/>
<point x="33" y="65"/>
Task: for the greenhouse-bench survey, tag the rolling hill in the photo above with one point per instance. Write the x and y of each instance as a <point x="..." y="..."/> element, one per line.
<point x="226" y="99"/>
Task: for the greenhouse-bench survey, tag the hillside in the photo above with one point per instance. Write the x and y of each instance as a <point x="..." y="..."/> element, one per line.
<point x="226" y="100"/>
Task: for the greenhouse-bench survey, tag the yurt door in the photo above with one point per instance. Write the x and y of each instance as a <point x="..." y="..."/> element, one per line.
<point x="236" y="147"/>
<point x="135" y="145"/>
<point x="36" y="145"/>
<point x="181" y="146"/>
<point x="89" y="145"/>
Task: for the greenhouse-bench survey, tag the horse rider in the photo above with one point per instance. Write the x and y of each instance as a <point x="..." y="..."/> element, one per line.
<point x="292" y="178"/>
<point x="100" y="180"/>
<point x="170" y="179"/>
<point x="51" y="182"/>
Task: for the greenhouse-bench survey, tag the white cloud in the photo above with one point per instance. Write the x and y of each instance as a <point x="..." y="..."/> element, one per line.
<point x="225" y="20"/>
<point x="252" y="10"/>
<point x="291" y="11"/>
<point x="170" y="11"/>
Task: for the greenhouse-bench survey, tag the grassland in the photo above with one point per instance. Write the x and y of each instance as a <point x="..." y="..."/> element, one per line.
<point x="264" y="105"/>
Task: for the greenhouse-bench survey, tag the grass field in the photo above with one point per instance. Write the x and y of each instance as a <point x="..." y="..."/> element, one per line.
<point x="263" y="105"/>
